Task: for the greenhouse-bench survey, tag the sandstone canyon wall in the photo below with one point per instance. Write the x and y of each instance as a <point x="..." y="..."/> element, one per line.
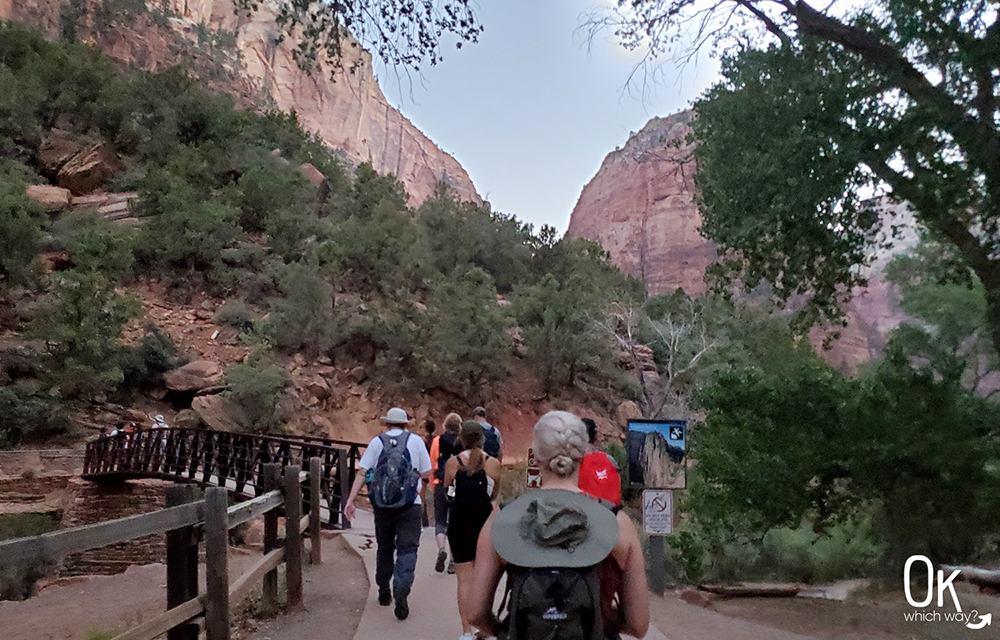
<point x="241" y="55"/>
<point x="641" y="207"/>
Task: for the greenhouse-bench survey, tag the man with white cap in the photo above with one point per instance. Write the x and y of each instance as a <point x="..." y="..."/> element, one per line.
<point x="394" y="466"/>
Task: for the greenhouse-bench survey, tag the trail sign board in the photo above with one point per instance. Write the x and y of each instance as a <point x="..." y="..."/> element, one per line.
<point x="534" y="473"/>
<point x="657" y="512"/>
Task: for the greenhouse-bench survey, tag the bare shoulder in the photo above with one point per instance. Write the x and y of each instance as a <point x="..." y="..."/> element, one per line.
<point x="628" y="539"/>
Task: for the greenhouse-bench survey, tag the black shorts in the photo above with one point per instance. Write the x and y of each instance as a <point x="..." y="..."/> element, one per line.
<point x="441" y="509"/>
<point x="466" y="521"/>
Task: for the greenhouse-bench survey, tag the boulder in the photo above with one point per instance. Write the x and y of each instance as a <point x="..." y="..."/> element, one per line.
<point x="194" y="376"/>
<point x="56" y="150"/>
<point x="626" y="411"/>
<point x="219" y="412"/>
<point x="322" y="426"/>
<point x="52" y="198"/>
<point x="312" y="174"/>
<point x="188" y="418"/>
<point x="318" y="387"/>
<point x="89" y="169"/>
<point x="358" y="374"/>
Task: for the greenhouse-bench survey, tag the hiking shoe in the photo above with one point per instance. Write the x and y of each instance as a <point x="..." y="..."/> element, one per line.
<point x="402" y="609"/>
<point x="442" y="558"/>
<point x="451" y="568"/>
<point x="384" y="598"/>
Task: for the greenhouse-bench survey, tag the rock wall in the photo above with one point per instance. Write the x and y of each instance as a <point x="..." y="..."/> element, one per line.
<point x="641" y="207"/>
<point x="241" y="55"/>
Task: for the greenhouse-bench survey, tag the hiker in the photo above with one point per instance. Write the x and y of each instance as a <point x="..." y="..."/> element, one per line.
<point x="560" y="548"/>
<point x="599" y="475"/>
<point x="443" y="448"/>
<point x="394" y="466"/>
<point x="493" y="441"/>
<point x="428" y="509"/>
<point x="475" y="478"/>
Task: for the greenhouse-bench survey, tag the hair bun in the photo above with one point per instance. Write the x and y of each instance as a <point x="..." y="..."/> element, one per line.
<point x="562" y="465"/>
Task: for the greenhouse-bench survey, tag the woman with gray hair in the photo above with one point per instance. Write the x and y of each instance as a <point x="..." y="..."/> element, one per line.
<point x="560" y="531"/>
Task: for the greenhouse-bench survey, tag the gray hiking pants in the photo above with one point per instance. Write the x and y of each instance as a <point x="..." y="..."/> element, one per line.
<point x="397" y="534"/>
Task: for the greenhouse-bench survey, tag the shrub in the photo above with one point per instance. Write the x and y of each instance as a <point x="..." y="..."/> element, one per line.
<point x="235" y="313"/>
<point x="143" y="366"/>
<point x="81" y="319"/>
<point x="256" y="386"/>
<point x="20" y="234"/>
<point x="28" y="415"/>
<point x="96" y="244"/>
<point x="303" y="319"/>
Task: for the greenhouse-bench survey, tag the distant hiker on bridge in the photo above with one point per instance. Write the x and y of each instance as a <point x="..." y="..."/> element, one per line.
<point x="574" y="568"/>
<point x="493" y="441"/>
<point x="394" y="466"/>
<point x="442" y="449"/>
<point x="475" y="477"/>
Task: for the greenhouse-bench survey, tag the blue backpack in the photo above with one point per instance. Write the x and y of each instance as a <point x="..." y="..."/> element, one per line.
<point x="393" y="482"/>
<point x="491" y="442"/>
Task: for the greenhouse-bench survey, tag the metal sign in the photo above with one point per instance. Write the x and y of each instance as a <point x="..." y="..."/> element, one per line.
<point x="534" y="473"/>
<point x="657" y="452"/>
<point x="658" y="512"/>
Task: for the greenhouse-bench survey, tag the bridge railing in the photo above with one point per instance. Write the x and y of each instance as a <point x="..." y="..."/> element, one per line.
<point x="232" y="460"/>
<point x="186" y="520"/>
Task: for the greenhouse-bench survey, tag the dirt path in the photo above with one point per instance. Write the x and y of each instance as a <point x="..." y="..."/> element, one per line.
<point x="335" y="595"/>
<point x="96" y="604"/>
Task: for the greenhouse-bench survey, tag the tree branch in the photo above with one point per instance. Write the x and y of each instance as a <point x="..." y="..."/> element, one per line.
<point x="771" y="25"/>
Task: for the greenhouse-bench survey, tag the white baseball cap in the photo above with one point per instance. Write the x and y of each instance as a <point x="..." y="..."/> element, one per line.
<point x="396" y="416"/>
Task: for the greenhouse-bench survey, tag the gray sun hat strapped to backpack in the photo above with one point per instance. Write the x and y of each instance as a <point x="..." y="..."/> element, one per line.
<point x="554" y="542"/>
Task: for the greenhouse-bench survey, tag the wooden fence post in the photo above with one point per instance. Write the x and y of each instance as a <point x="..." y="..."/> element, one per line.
<point x="345" y="488"/>
<point x="216" y="564"/>
<point x="293" y="537"/>
<point x="271" y="482"/>
<point x="182" y="562"/>
<point x="315" y="497"/>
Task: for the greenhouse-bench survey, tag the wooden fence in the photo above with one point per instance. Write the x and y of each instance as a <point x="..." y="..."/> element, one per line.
<point x="235" y="461"/>
<point x="186" y="520"/>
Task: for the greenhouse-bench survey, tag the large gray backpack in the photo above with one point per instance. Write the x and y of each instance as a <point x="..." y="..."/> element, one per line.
<point x="553" y="603"/>
<point x="393" y="482"/>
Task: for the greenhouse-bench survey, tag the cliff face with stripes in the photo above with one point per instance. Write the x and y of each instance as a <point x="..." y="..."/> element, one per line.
<point x="242" y="55"/>
<point x="641" y="207"/>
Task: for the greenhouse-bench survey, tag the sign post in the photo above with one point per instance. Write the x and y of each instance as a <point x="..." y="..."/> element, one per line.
<point x="534" y="474"/>
<point x="657" y="521"/>
<point x="657" y="452"/>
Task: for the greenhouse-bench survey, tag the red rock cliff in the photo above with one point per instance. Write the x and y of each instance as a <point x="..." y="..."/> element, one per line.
<point x="640" y="207"/>
<point x="240" y="55"/>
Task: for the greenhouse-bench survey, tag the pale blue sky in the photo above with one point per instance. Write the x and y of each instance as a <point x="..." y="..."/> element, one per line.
<point x="529" y="112"/>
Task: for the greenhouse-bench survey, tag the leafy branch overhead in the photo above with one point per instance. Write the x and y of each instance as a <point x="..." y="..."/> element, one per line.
<point x="401" y="32"/>
<point x="818" y="112"/>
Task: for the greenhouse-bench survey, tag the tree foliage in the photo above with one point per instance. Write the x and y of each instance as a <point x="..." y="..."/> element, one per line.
<point x="819" y="107"/>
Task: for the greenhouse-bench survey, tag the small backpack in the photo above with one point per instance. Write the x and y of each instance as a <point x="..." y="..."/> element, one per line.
<point x="553" y="603"/>
<point x="447" y="447"/>
<point x="393" y="482"/>
<point x="491" y="442"/>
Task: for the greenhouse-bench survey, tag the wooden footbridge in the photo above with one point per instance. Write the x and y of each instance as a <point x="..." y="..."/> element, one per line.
<point x="234" y="461"/>
<point x="303" y="479"/>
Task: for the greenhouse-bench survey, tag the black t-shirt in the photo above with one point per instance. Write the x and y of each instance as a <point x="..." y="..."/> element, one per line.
<point x="447" y="447"/>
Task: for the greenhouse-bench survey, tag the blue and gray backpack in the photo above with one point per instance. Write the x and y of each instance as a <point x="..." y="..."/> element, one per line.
<point x="393" y="482"/>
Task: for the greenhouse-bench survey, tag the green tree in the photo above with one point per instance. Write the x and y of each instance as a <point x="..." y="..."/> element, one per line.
<point x="20" y="234"/>
<point x="256" y="386"/>
<point x="303" y="319"/>
<point x="95" y="244"/>
<point x="81" y="319"/>
<point x="468" y="347"/>
<point x="817" y="110"/>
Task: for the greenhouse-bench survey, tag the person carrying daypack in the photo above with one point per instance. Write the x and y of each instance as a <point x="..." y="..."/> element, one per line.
<point x="394" y="465"/>
<point x="599" y="475"/>
<point x="446" y="446"/>
<point x="575" y="569"/>
<point x="492" y="440"/>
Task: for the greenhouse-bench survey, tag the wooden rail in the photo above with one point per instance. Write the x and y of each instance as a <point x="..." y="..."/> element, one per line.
<point x="232" y="460"/>
<point x="187" y="518"/>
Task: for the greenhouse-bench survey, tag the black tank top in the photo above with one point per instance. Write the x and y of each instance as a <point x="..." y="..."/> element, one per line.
<point x="471" y="488"/>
